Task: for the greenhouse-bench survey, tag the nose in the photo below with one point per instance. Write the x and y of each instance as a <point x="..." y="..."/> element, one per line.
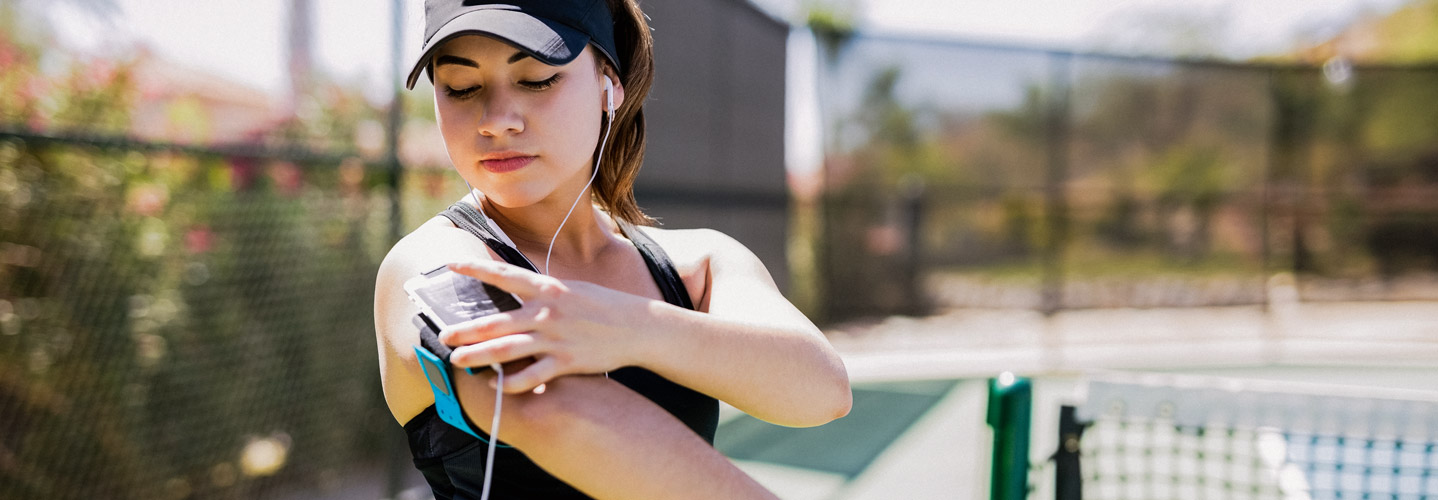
<point x="501" y="116"/>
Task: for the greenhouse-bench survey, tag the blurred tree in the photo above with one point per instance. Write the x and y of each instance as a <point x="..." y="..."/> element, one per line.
<point x="1192" y="183"/>
<point x="833" y="23"/>
<point x="71" y="301"/>
<point x="159" y="309"/>
<point x="1409" y="35"/>
<point x="876" y="209"/>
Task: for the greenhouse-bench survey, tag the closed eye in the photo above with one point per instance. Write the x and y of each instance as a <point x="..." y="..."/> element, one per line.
<point x="542" y="84"/>
<point x="461" y="93"/>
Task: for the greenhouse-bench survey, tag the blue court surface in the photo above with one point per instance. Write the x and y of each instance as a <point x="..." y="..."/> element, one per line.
<point x="881" y="413"/>
<point x="913" y="438"/>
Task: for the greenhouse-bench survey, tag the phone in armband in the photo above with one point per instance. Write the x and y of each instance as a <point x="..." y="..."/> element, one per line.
<point x="445" y="299"/>
<point x="449" y="298"/>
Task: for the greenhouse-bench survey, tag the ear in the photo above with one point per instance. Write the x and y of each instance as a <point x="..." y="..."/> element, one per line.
<point x="618" y="91"/>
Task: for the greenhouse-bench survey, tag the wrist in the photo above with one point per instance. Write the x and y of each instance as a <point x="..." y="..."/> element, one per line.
<point x="649" y="335"/>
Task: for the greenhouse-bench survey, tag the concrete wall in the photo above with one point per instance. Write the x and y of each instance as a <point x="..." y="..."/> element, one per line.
<point x="716" y="124"/>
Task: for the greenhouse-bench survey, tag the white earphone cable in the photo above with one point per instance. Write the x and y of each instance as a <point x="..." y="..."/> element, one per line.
<point x="498" y="370"/>
<point x="550" y="252"/>
<point x="493" y="432"/>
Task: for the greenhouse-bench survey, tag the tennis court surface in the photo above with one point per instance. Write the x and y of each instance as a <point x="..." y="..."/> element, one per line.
<point x="918" y="429"/>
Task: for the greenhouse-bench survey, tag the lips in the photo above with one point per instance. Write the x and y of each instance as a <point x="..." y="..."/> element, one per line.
<point x="500" y="163"/>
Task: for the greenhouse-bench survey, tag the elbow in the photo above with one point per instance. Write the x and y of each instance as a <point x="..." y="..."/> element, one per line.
<point x="840" y="403"/>
<point x="843" y="398"/>
<point x="837" y="401"/>
<point x="846" y="403"/>
<point x="835" y="408"/>
<point x="845" y="394"/>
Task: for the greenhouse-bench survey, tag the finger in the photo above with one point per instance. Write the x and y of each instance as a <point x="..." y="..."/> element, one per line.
<point x="488" y="327"/>
<point x="535" y="375"/>
<point x="500" y="350"/>
<point x="510" y="278"/>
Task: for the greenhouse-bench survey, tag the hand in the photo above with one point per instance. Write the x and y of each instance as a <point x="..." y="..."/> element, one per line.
<point x="568" y="327"/>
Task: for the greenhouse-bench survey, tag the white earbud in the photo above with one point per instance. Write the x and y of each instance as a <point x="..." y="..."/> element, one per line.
<point x="609" y="94"/>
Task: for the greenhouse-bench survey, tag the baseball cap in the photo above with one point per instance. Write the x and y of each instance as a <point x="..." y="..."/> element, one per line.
<point x="551" y="31"/>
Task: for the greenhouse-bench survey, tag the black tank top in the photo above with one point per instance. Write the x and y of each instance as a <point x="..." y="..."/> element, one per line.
<point x="453" y="461"/>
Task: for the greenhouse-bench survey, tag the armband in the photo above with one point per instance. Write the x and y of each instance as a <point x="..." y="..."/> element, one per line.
<point x="433" y="357"/>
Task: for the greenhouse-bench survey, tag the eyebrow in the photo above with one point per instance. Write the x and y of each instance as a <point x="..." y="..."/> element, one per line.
<point x="449" y="59"/>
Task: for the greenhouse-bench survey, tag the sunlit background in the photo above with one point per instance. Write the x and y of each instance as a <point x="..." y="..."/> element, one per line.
<point x="1198" y="238"/>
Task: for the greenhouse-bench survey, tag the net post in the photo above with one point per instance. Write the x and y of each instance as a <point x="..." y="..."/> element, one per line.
<point x="1068" y="482"/>
<point x="1009" y="415"/>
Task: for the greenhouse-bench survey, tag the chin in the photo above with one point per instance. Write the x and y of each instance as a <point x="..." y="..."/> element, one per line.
<point x="512" y="196"/>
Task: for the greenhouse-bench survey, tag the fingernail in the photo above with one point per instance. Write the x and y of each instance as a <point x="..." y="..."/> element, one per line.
<point x="493" y="384"/>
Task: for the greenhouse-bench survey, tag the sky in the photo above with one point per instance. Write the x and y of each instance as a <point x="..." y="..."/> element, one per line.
<point x="244" y="41"/>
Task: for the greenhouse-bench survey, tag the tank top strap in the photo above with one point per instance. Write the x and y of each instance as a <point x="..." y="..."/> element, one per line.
<point x="466" y="217"/>
<point x="660" y="267"/>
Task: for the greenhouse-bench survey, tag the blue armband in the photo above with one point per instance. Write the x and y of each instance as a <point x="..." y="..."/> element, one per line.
<point x="433" y="356"/>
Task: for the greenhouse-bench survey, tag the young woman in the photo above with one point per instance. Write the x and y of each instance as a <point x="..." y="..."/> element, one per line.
<point x="628" y="334"/>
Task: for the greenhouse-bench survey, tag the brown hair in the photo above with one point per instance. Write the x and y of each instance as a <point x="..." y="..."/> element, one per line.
<point x="614" y="186"/>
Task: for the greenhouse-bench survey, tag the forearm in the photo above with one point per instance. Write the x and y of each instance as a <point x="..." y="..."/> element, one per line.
<point x="609" y="442"/>
<point x="784" y="374"/>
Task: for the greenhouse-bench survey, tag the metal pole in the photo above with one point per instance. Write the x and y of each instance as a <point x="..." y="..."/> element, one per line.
<point x="1056" y="138"/>
<point x="1010" y="417"/>
<point x="396" y="110"/>
<point x="394" y="446"/>
<point x="1275" y="141"/>
<point x="913" y="213"/>
<point x="1068" y="480"/>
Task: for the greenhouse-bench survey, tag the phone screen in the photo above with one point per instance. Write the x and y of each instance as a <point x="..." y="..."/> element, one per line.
<point x="455" y="298"/>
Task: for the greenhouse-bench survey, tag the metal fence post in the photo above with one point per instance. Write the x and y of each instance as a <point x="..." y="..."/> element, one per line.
<point x="912" y="194"/>
<point x="1056" y="140"/>
<point x="396" y="119"/>
<point x="395" y="449"/>
<point x="1010" y="415"/>
<point x="1068" y="480"/>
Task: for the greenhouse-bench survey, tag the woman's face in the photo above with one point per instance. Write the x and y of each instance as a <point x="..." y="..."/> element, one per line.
<point x="521" y="131"/>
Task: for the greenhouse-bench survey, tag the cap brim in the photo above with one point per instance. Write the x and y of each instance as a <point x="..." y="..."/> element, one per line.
<point x="550" y="43"/>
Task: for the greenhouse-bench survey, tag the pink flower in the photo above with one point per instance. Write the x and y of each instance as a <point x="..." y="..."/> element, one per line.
<point x="148" y="200"/>
<point x="286" y="177"/>
<point x="7" y="55"/>
<point x="199" y="239"/>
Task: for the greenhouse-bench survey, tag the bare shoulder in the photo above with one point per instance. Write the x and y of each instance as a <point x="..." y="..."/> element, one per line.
<point x="704" y="256"/>
<point x="434" y="244"/>
<point x="699" y="245"/>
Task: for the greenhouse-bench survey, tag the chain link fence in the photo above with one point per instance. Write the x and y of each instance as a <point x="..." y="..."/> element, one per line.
<point x="1017" y="178"/>
<point x="191" y="323"/>
<point x="195" y="322"/>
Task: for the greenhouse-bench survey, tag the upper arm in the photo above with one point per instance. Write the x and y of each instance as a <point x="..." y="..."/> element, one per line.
<point x="406" y="390"/>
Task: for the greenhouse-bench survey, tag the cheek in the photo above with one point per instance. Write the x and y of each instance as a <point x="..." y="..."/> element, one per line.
<point x="447" y="115"/>
<point x="573" y="123"/>
<point x="458" y="138"/>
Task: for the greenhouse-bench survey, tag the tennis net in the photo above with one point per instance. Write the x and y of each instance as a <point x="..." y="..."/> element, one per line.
<point x="1182" y="437"/>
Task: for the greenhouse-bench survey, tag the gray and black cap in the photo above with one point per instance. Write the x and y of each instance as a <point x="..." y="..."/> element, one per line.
<point x="551" y="31"/>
